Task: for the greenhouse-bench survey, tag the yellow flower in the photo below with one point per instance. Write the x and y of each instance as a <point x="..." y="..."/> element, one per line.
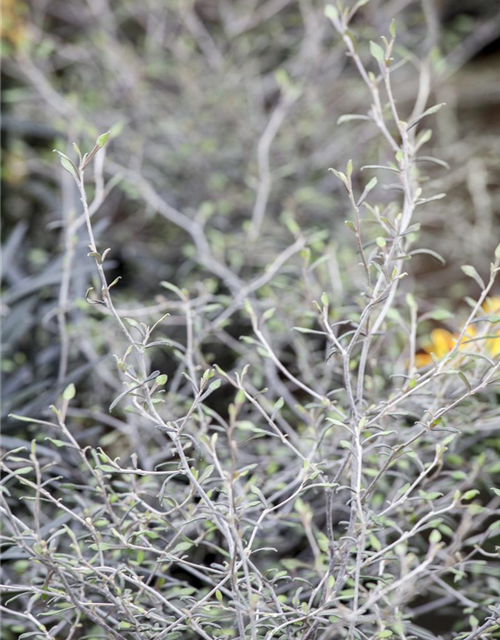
<point x="442" y="341"/>
<point x="491" y="307"/>
<point x="13" y="24"/>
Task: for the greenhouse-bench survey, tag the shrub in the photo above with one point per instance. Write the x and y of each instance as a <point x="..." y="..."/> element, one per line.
<point x="330" y="474"/>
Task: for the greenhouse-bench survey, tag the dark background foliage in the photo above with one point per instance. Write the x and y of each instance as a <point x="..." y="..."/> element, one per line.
<point x="192" y="87"/>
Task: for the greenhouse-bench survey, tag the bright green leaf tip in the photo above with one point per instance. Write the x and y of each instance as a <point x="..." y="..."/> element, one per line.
<point x="102" y="139"/>
<point x="69" y="392"/>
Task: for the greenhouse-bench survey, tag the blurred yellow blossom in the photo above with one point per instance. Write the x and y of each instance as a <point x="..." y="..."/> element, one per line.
<point x="13" y="24"/>
<point x="440" y="344"/>
<point x="442" y="341"/>
<point x="492" y="307"/>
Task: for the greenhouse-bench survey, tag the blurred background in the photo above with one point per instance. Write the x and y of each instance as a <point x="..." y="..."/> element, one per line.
<point x="223" y="118"/>
<point x="223" y="113"/>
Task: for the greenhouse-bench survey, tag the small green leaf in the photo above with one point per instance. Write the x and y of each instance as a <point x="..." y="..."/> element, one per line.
<point x="207" y="472"/>
<point x="172" y="287"/>
<point x="69" y="166"/>
<point x="351" y="116"/>
<point x="161" y="380"/>
<point x="22" y="471"/>
<point x="427" y="112"/>
<point x="468" y="495"/>
<point x="102" y="546"/>
<point x="430" y="495"/>
<point x="440" y="314"/>
<point x="435" y="536"/>
<point x="107" y="468"/>
<point x="474" y="622"/>
<point x="21" y="418"/>
<point x="358" y="5"/>
<point x="278" y="405"/>
<point x="392" y="28"/>
<point x="67" y="163"/>
<point x="96" y="255"/>
<point x="102" y="139"/>
<point x="207" y="375"/>
<point x="433" y="109"/>
<point x="248" y="308"/>
<point x="377" y="51"/>
<point x="124" y="625"/>
<point x="69" y="392"/>
<point x="375" y="542"/>
<point x="494" y="526"/>
<point x="214" y="385"/>
<point x="373" y="183"/>
<point x="331" y="12"/>
<point x="57" y="443"/>
<point x="340" y="176"/>
<point x="268" y="314"/>
<point x="470" y="271"/>
<point x="349" y="168"/>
